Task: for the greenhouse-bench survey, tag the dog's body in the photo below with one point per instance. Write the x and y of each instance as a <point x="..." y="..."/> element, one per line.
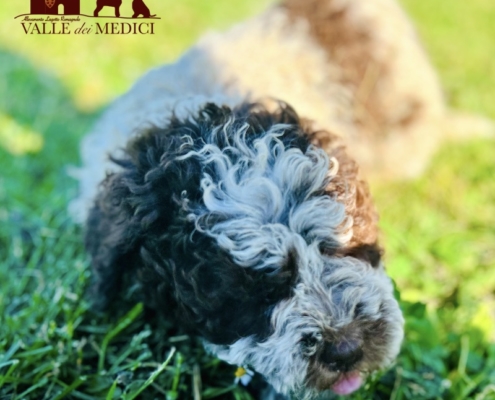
<point x="363" y="86"/>
<point x="140" y="8"/>
<point x="108" y="3"/>
<point x="249" y="221"/>
<point x="238" y="223"/>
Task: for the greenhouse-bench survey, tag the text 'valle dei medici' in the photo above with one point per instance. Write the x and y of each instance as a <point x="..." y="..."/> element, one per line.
<point x="63" y="25"/>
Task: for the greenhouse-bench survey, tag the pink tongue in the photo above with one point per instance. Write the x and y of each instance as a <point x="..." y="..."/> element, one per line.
<point x="348" y="383"/>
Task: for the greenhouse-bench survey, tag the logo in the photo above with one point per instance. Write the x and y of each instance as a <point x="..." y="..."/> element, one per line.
<point x="64" y="17"/>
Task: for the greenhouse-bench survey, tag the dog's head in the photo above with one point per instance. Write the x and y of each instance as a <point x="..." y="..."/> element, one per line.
<point x="260" y="240"/>
<point x="340" y="323"/>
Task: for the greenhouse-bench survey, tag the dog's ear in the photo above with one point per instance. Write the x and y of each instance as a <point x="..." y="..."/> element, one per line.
<point x="133" y="200"/>
<point x="348" y="188"/>
<point x="211" y="288"/>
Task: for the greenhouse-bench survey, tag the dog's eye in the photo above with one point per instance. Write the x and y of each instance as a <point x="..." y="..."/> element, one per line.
<point x="309" y="343"/>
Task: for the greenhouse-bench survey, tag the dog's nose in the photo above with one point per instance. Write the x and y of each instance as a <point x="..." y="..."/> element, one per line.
<point x="342" y="356"/>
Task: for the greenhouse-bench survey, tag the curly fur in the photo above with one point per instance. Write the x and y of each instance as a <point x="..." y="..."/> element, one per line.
<point x="352" y="67"/>
<point x="233" y="221"/>
<point x="250" y="223"/>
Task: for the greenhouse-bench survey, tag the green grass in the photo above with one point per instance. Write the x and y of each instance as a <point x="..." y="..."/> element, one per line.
<point x="439" y="230"/>
<point x="459" y="38"/>
<point x="97" y="69"/>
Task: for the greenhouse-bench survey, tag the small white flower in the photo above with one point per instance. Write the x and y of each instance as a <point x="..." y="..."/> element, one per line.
<point x="243" y="376"/>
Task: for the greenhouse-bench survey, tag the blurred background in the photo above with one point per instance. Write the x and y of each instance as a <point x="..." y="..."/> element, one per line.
<point x="438" y="230"/>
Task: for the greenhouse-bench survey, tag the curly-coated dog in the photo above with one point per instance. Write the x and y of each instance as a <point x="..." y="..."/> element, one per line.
<point x="245" y="217"/>
<point x="107" y="3"/>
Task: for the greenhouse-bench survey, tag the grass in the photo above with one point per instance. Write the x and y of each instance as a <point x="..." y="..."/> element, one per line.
<point x="438" y="230"/>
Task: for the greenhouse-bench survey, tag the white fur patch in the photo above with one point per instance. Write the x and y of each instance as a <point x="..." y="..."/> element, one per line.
<point x="267" y="196"/>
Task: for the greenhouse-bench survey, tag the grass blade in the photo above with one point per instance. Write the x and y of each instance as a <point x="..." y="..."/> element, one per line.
<point x="41" y="383"/>
<point x="152" y="377"/>
<point x="123" y="323"/>
<point x="13" y="366"/>
<point x="111" y="391"/>
<point x="69" y="389"/>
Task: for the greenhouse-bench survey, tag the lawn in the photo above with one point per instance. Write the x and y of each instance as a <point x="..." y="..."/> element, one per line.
<point x="438" y="230"/>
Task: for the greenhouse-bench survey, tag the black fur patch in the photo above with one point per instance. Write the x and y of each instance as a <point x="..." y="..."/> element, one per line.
<point x="370" y="253"/>
<point x="139" y="227"/>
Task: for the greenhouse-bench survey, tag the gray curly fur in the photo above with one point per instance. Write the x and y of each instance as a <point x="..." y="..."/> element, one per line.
<point x="226" y="222"/>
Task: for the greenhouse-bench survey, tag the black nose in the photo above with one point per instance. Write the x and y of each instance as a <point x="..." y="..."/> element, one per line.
<point x="342" y="356"/>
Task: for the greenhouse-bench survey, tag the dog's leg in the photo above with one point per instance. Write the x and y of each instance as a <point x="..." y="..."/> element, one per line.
<point x="117" y="11"/>
<point x="460" y="126"/>
<point x="98" y="8"/>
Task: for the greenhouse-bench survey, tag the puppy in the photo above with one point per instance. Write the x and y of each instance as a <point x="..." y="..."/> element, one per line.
<point x="235" y="221"/>
<point x="110" y="3"/>
<point x="247" y="220"/>
<point x="140" y="8"/>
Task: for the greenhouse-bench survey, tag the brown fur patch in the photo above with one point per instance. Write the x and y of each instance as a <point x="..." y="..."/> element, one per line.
<point x="353" y="192"/>
<point x="351" y="46"/>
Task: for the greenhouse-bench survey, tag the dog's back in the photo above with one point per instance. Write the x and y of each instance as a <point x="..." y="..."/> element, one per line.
<point x="355" y="68"/>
